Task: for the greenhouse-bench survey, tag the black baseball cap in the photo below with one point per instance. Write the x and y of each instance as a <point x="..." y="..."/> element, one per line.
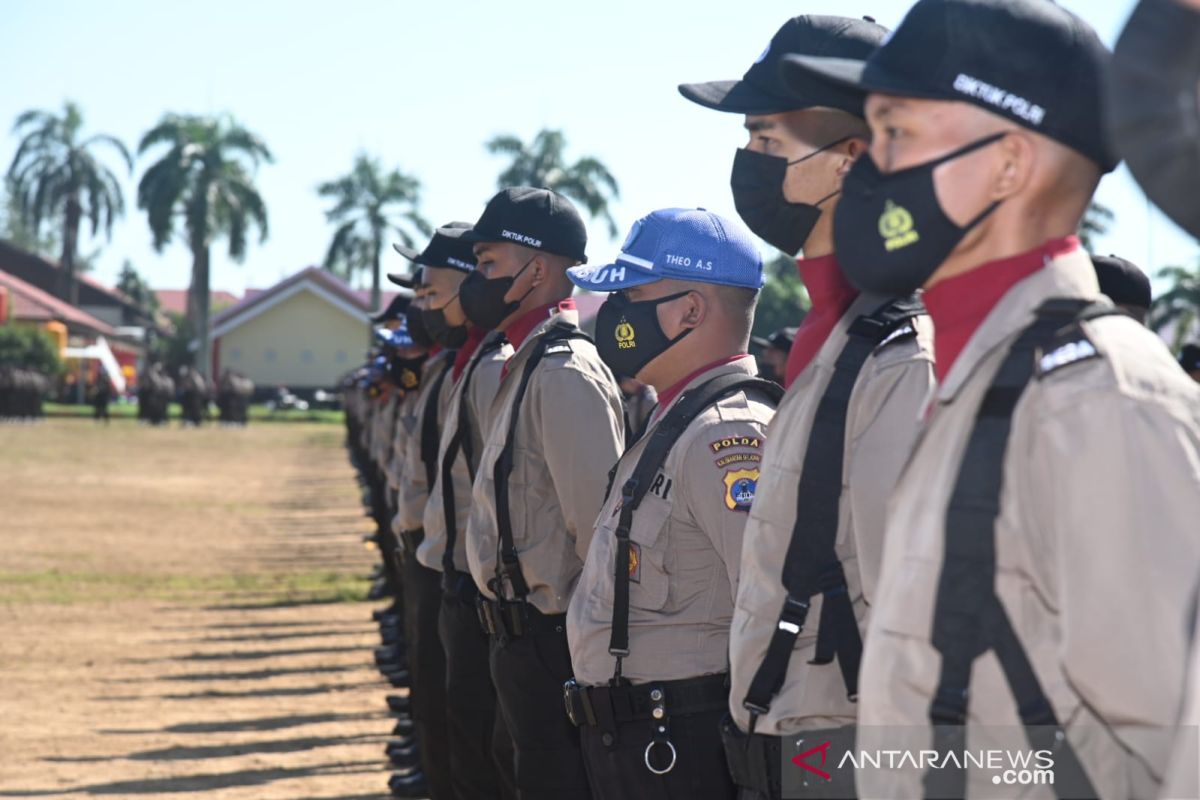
<point x="1122" y="281"/>
<point x="537" y="218"/>
<point x="1030" y="61"/>
<point x="447" y="252"/>
<point x="762" y="89"/>
<point x="1189" y="358"/>
<point x="394" y="309"/>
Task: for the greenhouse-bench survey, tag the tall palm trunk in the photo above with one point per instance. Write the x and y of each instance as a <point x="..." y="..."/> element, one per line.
<point x="198" y="306"/>
<point x="68" y="288"/>
<point x="376" y="265"/>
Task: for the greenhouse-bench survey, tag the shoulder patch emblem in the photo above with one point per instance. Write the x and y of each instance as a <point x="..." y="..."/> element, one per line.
<point x="558" y="348"/>
<point x="635" y="562"/>
<point x="735" y="441"/>
<point x="737" y="458"/>
<point x="740" y="485"/>
<point x="1066" y="354"/>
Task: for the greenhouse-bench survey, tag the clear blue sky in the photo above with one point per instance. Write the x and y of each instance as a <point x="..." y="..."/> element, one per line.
<point x="423" y="85"/>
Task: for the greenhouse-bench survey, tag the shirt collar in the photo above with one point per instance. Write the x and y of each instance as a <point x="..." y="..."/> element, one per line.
<point x="825" y="282"/>
<point x="745" y="363"/>
<point x="475" y="335"/>
<point x="1066" y="272"/>
<point x="520" y="330"/>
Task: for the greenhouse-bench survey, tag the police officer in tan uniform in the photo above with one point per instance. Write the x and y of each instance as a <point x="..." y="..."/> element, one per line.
<point x="1042" y="544"/>
<point x="858" y="373"/>
<point x="649" y="621"/>
<point x="556" y="428"/>
<point x="418" y="434"/>
<point x="479" y="356"/>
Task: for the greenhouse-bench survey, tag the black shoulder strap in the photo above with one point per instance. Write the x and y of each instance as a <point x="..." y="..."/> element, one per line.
<point x="968" y="618"/>
<point x="658" y="447"/>
<point x="811" y="566"/>
<point x="508" y="566"/>
<point x="429" y="424"/>
<point x="461" y="440"/>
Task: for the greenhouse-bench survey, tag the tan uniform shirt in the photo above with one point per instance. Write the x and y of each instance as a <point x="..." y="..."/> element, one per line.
<point x="686" y="547"/>
<point x="403" y="405"/>
<point x="485" y="381"/>
<point x="414" y="485"/>
<point x="383" y="422"/>
<point x="882" y="421"/>
<point x="570" y="431"/>
<point x="1097" y="548"/>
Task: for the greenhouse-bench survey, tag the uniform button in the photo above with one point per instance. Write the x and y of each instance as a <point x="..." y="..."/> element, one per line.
<point x="656" y="694"/>
<point x="607" y="739"/>
<point x="657" y="713"/>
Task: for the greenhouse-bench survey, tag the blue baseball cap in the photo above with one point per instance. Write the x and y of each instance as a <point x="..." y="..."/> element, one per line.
<point x="687" y="244"/>
<point x="398" y="337"/>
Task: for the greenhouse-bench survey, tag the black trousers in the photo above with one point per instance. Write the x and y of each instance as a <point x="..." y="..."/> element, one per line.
<point x="529" y="674"/>
<point x="616" y="766"/>
<point x="427" y="668"/>
<point x="481" y="763"/>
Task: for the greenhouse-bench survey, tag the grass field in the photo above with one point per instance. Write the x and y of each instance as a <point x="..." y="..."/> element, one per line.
<point x="258" y="413"/>
<point x="181" y="611"/>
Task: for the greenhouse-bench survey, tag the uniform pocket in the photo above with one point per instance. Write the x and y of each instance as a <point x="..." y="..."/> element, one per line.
<point x="649" y="581"/>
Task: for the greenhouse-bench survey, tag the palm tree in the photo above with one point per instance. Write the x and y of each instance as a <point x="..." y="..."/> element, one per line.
<point x="56" y="174"/>
<point x="1096" y="222"/>
<point x="206" y="178"/>
<point x="1179" y="306"/>
<point x="368" y="204"/>
<point x="541" y="163"/>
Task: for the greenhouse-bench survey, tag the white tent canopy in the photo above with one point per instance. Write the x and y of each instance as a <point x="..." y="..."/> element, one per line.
<point x="104" y="354"/>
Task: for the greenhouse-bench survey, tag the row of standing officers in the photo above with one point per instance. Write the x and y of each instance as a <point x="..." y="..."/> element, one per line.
<point x="970" y="523"/>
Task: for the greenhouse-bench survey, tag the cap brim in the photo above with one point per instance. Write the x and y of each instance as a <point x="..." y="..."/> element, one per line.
<point x="400" y="279"/>
<point x="611" y="277"/>
<point x="844" y="72"/>
<point x="851" y="73"/>
<point x="407" y="252"/>
<point x="737" y="97"/>
<point x="466" y="235"/>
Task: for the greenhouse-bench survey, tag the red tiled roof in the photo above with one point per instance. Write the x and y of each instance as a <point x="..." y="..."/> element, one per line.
<point x="31" y="303"/>
<point x="327" y="280"/>
<point x="174" y="301"/>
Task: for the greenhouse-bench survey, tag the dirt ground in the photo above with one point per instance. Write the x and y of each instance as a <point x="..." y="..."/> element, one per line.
<point x="181" y="614"/>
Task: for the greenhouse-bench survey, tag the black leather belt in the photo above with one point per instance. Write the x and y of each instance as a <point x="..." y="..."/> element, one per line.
<point x="598" y="705"/>
<point x="511" y="619"/>
<point x="459" y="586"/>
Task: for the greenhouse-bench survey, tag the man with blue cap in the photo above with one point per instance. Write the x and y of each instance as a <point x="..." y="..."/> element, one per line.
<point x="648" y="624"/>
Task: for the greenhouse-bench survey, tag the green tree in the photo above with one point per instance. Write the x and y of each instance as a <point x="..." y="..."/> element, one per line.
<point x="57" y="175"/>
<point x="1179" y="305"/>
<point x="135" y="287"/>
<point x="206" y="179"/>
<point x="1097" y="221"/>
<point x="541" y="163"/>
<point x="47" y="243"/>
<point x="368" y="204"/>
<point x="783" y="301"/>
<point x="30" y="348"/>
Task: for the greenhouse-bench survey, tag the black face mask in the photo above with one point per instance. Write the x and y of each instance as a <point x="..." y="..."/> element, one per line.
<point x="416" y="327"/>
<point x="448" y="336"/>
<point x="757" y="184"/>
<point x="482" y="298"/>
<point x="628" y="336"/>
<point x="889" y="231"/>
<point x="405" y="372"/>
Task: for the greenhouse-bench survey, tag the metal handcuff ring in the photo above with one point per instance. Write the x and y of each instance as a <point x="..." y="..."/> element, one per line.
<point x="669" y="767"/>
